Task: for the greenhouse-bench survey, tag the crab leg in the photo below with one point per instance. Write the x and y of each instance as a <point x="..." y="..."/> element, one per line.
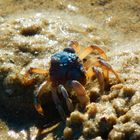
<point x="42" y="132"/>
<point x="100" y="78"/>
<point x="88" y="66"/>
<point x="75" y="45"/>
<point x="106" y="68"/>
<point x="80" y="92"/>
<point x="58" y="105"/>
<point x="99" y="62"/>
<point x="105" y="71"/>
<point x="38" y="71"/>
<point x="90" y="73"/>
<point x="27" y="81"/>
<point x="38" y="95"/>
<point x="93" y="71"/>
<point x="66" y="96"/>
<point x="90" y="62"/>
<point x="91" y="49"/>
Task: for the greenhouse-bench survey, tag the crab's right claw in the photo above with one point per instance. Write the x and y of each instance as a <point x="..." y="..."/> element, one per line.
<point x="80" y="92"/>
<point x="58" y="105"/>
<point x="66" y="97"/>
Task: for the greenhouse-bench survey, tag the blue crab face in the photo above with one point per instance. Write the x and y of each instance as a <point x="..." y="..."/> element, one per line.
<point x="66" y="66"/>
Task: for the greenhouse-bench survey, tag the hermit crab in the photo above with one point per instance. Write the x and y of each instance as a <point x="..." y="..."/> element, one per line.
<point x="69" y="71"/>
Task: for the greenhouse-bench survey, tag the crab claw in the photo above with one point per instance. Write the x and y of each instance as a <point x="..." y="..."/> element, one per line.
<point x="80" y="92"/>
<point x="66" y="97"/>
<point x="58" y="105"/>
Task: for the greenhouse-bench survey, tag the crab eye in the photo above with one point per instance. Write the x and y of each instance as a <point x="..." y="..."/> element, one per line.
<point x="69" y="50"/>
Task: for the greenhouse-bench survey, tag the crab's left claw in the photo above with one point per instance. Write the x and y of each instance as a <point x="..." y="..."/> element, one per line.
<point x="80" y="92"/>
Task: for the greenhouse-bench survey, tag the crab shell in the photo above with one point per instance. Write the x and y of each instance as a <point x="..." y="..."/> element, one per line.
<point x="66" y="66"/>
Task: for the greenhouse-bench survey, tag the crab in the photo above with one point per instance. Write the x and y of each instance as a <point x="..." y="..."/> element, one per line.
<point x="69" y="70"/>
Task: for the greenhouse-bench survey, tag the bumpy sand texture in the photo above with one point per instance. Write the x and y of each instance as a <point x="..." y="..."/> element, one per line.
<point x="31" y="31"/>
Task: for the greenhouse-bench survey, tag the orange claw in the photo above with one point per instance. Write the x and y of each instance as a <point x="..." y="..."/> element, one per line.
<point x="80" y="93"/>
